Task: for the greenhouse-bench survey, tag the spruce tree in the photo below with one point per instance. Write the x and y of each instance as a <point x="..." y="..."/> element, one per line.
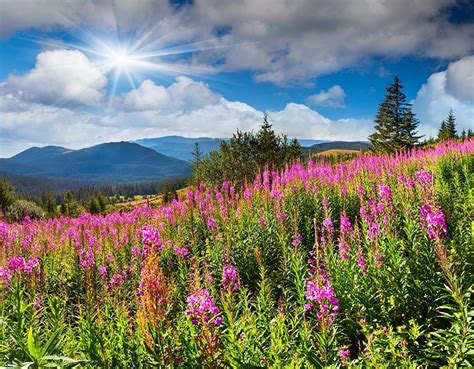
<point x="395" y="123"/>
<point x="447" y="130"/>
<point x="451" y="126"/>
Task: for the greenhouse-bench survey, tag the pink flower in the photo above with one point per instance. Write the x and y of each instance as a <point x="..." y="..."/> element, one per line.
<point x="181" y="251"/>
<point x="433" y="222"/>
<point x="230" y="278"/>
<point x="321" y="296"/>
<point x="201" y="307"/>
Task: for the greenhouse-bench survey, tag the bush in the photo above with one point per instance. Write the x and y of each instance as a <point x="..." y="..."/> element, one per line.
<point x="22" y="208"/>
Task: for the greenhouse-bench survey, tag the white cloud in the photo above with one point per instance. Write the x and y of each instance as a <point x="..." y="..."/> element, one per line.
<point x="450" y="89"/>
<point x="183" y="95"/>
<point x="333" y="98"/>
<point x="460" y="80"/>
<point x="280" y="41"/>
<point x="60" y="77"/>
<point x="167" y="112"/>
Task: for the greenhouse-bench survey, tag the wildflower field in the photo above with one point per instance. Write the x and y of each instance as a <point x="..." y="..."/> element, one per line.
<point x="368" y="263"/>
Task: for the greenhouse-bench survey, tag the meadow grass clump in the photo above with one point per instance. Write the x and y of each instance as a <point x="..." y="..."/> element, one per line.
<point x="367" y="263"/>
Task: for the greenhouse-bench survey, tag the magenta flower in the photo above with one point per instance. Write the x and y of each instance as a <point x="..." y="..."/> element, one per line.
<point x="385" y="193"/>
<point x="201" y="307"/>
<point x="5" y="280"/>
<point x="433" y="222"/>
<point x="297" y="240"/>
<point x="281" y="216"/>
<point x="181" y="251"/>
<point x="346" y="226"/>
<point x="211" y="224"/>
<point x="230" y="278"/>
<point x="361" y="263"/>
<point x="328" y="226"/>
<point x="343" y="250"/>
<point x="344" y="354"/>
<point x="321" y="296"/>
<point x="103" y="271"/>
<point x="151" y="237"/>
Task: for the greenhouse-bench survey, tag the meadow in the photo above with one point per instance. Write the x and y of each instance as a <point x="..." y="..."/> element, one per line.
<point x="366" y="263"/>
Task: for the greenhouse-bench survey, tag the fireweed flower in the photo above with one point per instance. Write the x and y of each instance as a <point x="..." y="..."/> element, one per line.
<point x="321" y="296"/>
<point x="297" y="240"/>
<point x="5" y="280"/>
<point x="346" y="226"/>
<point x="344" y="191"/>
<point x="211" y="224"/>
<point x="361" y="263"/>
<point x="344" y="250"/>
<point x="385" y="193"/>
<point x="230" y="278"/>
<point x="86" y="259"/>
<point x="281" y="216"/>
<point x="103" y="271"/>
<point x="328" y="227"/>
<point x="423" y="177"/>
<point x="181" y="251"/>
<point x="433" y="222"/>
<point x="344" y="354"/>
<point x="201" y="308"/>
<point x="151" y="238"/>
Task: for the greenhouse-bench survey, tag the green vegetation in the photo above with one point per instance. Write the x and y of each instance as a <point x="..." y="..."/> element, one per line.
<point x="395" y="123"/>
<point x="244" y="155"/>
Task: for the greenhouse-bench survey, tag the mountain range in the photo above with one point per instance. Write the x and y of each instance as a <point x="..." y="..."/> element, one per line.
<point x="115" y="162"/>
<point x="183" y="147"/>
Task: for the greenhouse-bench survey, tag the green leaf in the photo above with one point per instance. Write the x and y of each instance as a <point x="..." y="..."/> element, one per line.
<point x="31" y="344"/>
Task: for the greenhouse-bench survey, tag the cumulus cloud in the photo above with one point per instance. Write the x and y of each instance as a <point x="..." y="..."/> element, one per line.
<point x="184" y="95"/>
<point x="59" y="77"/>
<point x="279" y="41"/>
<point x="460" y="80"/>
<point x="166" y="112"/>
<point x="450" y="89"/>
<point x="333" y="98"/>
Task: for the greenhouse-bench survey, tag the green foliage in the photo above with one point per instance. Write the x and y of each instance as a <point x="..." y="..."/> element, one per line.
<point x="447" y="130"/>
<point x="69" y="205"/>
<point x="7" y="195"/>
<point x="395" y="123"/>
<point x="244" y="155"/>
<point x="22" y="208"/>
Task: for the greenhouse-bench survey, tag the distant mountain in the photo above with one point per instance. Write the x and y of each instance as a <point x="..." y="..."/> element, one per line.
<point x="341" y="145"/>
<point x="309" y="143"/>
<point x="115" y="162"/>
<point x="182" y="147"/>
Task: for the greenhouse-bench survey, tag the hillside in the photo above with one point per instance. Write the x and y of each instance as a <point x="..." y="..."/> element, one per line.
<point x="116" y="162"/>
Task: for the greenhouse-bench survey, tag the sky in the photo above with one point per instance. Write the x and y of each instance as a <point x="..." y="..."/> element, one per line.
<point x="78" y="73"/>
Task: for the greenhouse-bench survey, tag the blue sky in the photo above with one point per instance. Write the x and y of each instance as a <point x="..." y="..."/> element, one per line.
<point x="80" y="73"/>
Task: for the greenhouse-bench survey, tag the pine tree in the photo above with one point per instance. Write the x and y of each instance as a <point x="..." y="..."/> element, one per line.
<point x="470" y="133"/>
<point x="395" y="123"/>
<point x="268" y="145"/>
<point x="196" y="163"/>
<point x="451" y="126"/>
<point x="447" y="130"/>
